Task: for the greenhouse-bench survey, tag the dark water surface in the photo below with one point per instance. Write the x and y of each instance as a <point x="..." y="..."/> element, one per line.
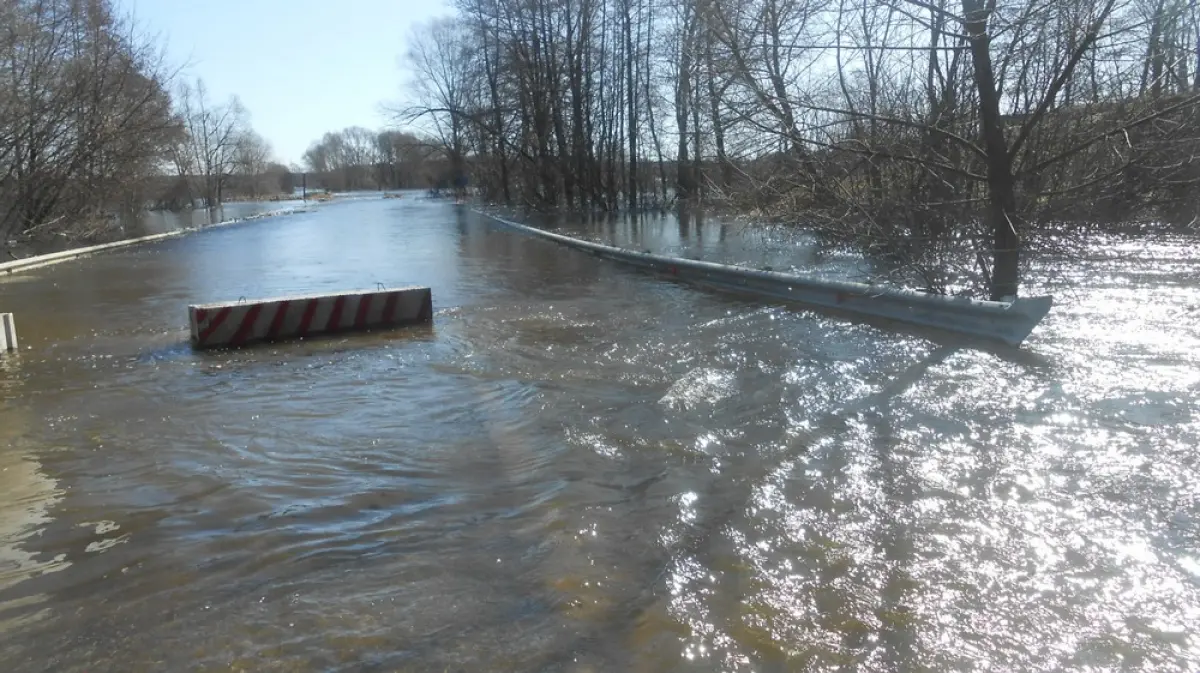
<point x="582" y="468"/>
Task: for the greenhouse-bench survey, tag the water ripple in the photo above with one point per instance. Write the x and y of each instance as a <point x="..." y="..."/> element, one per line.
<point x="577" y="467"/>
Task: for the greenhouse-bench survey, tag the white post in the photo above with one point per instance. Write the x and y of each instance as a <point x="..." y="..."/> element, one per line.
<point x="8" y="332"/>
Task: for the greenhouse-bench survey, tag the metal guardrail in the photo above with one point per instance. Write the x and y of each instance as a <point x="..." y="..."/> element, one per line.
<point x="30" y="263"/>
<point x="1008" y="322"/>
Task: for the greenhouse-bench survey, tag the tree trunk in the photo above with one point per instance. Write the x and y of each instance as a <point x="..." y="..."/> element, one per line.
<point x="1001" y="210"/>
<point x="685" y="184"/>
<point x="714" y="110"/>
<point x="632" y="117"/>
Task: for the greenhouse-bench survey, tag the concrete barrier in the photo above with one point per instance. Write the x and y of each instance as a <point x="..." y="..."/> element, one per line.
<point x="1009" y="322"/>
<point x="8" y="333"/>
<point x="241" y="323"/>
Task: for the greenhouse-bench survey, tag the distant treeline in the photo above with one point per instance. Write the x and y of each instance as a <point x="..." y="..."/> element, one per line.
<point x="179" y="192"/>
<point x="357" y="158"/>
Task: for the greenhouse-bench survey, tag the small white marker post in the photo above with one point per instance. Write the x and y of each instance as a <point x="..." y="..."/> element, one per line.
<point x="8" y="333"/>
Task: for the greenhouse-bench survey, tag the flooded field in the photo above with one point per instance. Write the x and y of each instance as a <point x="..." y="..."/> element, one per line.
<point x="582" y="468"/>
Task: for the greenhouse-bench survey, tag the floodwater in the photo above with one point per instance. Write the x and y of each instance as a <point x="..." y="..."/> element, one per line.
<point x="578" y="467"/>
<point x="162" y="221"/>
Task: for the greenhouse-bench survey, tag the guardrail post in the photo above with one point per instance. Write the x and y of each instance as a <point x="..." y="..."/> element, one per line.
<point x="8" y="333"/>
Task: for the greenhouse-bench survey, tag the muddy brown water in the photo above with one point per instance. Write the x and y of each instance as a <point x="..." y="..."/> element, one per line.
<point x="583" y="468"/>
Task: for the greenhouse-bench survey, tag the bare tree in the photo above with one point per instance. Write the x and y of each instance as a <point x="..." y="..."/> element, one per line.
<point x="402" y="159"/>
<point x="84" y="115"/>
<point x="252" y="163"/>
<point x="442" y="56"/>
<point x="209" y="151"/>
<point x="948" y="138"/>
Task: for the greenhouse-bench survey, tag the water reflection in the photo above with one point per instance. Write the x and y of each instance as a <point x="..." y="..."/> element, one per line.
<point x="690" y="232"/>
<point x="163" y="221"/>
<point x="29" y="495"/>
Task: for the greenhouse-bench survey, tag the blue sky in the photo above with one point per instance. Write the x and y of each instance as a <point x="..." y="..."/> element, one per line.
<point x="301" y="67"/>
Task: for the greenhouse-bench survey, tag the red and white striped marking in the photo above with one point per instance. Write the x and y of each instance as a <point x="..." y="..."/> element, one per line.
<point x="241" y="323"/>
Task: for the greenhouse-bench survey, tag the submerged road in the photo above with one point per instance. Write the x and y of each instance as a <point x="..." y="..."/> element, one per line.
<point x="582" y="468"/>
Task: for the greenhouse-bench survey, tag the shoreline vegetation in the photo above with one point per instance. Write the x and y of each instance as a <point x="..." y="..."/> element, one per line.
<point x="955" y="139"/>
<point x="958" y="139"/>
